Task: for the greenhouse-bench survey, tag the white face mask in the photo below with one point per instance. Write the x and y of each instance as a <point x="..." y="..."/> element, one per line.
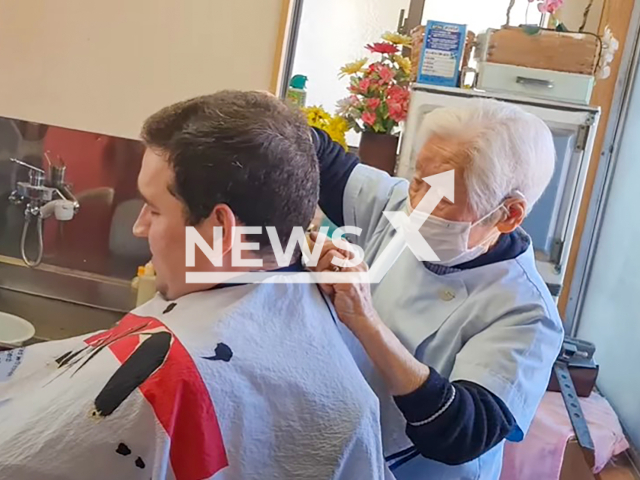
<point x="450" y="239"/>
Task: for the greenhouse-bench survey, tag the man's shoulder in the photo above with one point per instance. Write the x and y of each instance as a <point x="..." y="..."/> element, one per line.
<point x="275" y="335"/>
<point x="285" y="335"/>
<point x="539" y="291"/>
<point x="516" y="278"/>
<point x="372" y="182"/>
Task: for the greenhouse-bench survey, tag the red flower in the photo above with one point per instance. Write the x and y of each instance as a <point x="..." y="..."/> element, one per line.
<point x="369" y="118"/>
<point x="398" y="103"/>
<point x="550" y="6"/>
<point x="355" y="101"/>
<point x="373" y="103"/>
<point x="365" y="83"/>
<point x="398" y="94"/>
<point x="397" y="111"/>
<point x="375" y="84"/>
<point x="386" y="74"/>
<point x="382" y="47"/>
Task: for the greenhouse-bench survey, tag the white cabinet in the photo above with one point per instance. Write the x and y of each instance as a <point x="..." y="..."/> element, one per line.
<point x="534" y="82"/>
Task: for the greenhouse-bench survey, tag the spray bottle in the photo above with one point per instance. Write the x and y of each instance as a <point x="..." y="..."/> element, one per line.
<point x="297" y="91"/>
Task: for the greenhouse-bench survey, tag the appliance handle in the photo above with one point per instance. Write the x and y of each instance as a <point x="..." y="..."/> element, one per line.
<point x="534" y="82"/>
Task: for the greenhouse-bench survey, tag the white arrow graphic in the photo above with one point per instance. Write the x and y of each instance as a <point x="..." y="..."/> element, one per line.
<point x="407" y="227"/>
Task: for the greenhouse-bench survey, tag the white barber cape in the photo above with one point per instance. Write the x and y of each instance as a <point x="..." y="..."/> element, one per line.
<point x="242" y="382"/>
<point x="495" y="325"/>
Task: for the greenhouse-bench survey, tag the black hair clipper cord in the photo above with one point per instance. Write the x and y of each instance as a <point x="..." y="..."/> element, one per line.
<point x="574" y="375"/>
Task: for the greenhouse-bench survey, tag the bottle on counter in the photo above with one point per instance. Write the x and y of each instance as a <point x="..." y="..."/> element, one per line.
<point x="146" y="283"/>
<point x="297" y="92"/>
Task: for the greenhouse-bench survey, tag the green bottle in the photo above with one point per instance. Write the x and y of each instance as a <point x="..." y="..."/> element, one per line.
<point x="297" y="91"/>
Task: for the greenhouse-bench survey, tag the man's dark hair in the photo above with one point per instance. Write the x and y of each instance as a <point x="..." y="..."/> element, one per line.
<point x="248" y="150"/>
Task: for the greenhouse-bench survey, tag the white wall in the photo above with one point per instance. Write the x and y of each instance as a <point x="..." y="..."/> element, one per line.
<point x="572" y="14"/>
<point x="611" y="313"/>
<point x="104" y="66"/>
<point x="479" y="15"/>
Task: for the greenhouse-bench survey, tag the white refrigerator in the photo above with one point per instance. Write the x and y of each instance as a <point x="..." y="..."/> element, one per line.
<point x="552" y="222"/>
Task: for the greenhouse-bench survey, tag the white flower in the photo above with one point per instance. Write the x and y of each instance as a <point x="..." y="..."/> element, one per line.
<point x="343" y="106"/>
<point x="609" y="47"/>
<point x="604" y="73"/>
<point x="614" y="44"/>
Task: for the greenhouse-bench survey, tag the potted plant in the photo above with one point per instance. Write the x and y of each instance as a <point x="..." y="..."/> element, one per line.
<point x="379" y="100"/>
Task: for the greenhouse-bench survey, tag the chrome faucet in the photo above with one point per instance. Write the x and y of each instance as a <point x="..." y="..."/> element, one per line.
<point x="43" y="197"/>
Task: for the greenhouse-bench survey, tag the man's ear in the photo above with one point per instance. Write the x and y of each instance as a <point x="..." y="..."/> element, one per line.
<point x="516" y="213"/>
<point x="222" y="217"/>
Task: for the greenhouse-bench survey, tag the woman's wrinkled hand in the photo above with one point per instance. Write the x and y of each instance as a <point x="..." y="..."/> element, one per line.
<point x="402" y="372"/>
<point x="352" y="301"/>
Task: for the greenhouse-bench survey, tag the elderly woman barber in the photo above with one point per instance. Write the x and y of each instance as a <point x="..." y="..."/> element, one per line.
<point x="459" y="351"/>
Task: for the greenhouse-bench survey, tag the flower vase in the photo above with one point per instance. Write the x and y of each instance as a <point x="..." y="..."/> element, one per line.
<point x="379" y="150"/>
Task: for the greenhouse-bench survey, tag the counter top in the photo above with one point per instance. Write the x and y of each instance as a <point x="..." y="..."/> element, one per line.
<point x="114" y="296"/>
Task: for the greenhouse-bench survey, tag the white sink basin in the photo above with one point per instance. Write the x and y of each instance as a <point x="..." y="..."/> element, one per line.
<point x="14" y="331"/>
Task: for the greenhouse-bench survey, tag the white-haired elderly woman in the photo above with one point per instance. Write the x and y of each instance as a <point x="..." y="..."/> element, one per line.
<point x="460" y="350"/>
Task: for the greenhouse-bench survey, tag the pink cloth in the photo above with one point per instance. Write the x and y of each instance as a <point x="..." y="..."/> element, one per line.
<point x="540" y="454"/>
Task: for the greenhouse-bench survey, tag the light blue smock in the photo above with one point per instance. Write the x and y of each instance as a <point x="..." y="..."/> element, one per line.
<point x="495" y="325"/>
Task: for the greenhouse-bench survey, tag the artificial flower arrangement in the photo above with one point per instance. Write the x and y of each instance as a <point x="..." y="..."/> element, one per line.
<point x="379" y="99"/>
<point x="335" y="126"/>
<point x="549" y="7"/>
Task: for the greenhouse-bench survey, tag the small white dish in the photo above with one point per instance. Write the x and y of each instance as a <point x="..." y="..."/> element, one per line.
<point x="14" y="331"/>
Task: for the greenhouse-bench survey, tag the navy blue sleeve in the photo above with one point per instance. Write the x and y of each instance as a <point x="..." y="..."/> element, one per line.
<point x="454" y="423"/>
<point x="336" y="166"/>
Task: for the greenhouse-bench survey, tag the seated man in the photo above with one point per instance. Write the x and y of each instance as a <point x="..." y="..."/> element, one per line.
<point x="223" y="381"/>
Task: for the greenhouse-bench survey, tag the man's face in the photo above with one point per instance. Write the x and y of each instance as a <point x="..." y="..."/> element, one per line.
<point x="162" y="221"/>
<point x="438" y="156"/>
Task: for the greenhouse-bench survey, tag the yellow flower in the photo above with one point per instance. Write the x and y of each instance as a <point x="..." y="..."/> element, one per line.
<point x="404" y="62"/>
<point x="338" y="124"/>
<point x="353" y="67"/>
<point x="337" y="136"/>
<point x="397" y="39"/>
<point x="317" y="116"/>
<point x="334" y="125"/>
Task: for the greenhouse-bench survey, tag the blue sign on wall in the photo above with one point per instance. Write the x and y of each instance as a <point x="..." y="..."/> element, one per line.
<point x="442" y="53"/>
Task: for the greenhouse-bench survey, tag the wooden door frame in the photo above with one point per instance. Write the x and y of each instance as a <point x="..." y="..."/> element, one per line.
<point x="618" y="15"/>
<point x="287" y="33"/>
